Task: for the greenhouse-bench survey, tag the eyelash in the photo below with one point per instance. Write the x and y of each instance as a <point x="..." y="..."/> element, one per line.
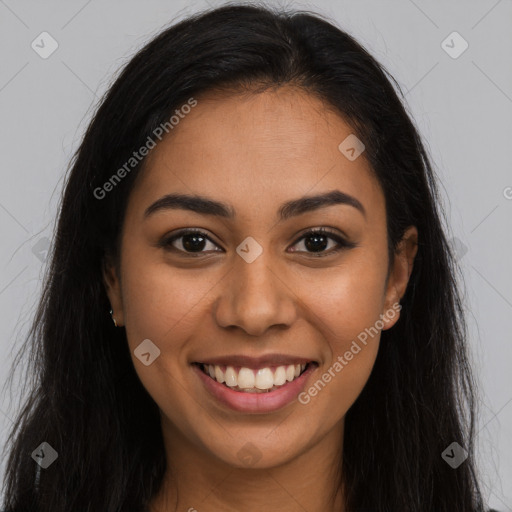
<point x="166" y="243"/>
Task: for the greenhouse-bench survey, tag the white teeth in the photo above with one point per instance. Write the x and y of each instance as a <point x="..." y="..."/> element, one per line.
<point x="264" y="378"/>
<point x="280" y="376"/>
<point x="245" y="378"/>
<point x="253" y="380"/>
<point x="231" y="377"/>
<point x="219" y="376"/>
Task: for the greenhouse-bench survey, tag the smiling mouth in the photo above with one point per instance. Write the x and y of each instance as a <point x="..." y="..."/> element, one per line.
<point x="247" y="380"/>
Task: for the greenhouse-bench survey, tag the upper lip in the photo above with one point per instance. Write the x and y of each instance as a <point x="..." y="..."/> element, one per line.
<point x="256" y="362"/>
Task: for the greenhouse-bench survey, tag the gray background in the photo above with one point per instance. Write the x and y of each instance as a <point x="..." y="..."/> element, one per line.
<point x="462" y="107"/>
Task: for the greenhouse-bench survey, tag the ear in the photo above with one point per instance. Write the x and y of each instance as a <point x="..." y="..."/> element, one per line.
<point x="399" y="276"/>
<point x="113" y="288"/>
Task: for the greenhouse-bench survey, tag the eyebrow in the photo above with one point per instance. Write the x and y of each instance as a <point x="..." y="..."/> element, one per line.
<point x="206" y="206"/>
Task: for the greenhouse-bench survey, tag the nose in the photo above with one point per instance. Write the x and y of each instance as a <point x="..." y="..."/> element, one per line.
<point x="255" y="297"/>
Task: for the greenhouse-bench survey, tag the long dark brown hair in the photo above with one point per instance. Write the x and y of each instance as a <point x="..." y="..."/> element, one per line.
<point x="87" y="401"/>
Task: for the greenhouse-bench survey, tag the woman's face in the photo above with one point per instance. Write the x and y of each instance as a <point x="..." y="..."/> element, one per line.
<point x="253" y="293"/>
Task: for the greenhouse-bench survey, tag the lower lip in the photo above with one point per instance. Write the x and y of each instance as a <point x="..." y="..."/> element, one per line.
<point x="256" y="402"/>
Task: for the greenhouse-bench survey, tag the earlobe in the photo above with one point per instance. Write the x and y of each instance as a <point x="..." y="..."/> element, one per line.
<point x="112" y="287"/>
<point x="399" y="277"/>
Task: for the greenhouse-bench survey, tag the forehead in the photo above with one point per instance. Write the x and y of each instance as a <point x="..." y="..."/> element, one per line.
<point x="253" y="149"/>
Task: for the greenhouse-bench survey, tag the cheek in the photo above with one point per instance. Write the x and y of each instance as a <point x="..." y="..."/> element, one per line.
<point x="334" y="388"/>
<point x="347" y="302"/>
<point x="346" y="308"/>
<point x="160" y="302"/>
<point x="352" y="346"/>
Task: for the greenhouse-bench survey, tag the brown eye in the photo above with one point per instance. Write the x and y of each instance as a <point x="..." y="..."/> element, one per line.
<point x="188" y="241"/>
<point x="317" y="241"/>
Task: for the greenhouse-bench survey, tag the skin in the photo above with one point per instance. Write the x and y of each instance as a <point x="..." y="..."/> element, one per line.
<point x="255" y="151"/>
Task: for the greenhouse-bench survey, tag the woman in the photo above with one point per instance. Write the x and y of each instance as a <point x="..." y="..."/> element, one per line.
<point x="251" y="301"/>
